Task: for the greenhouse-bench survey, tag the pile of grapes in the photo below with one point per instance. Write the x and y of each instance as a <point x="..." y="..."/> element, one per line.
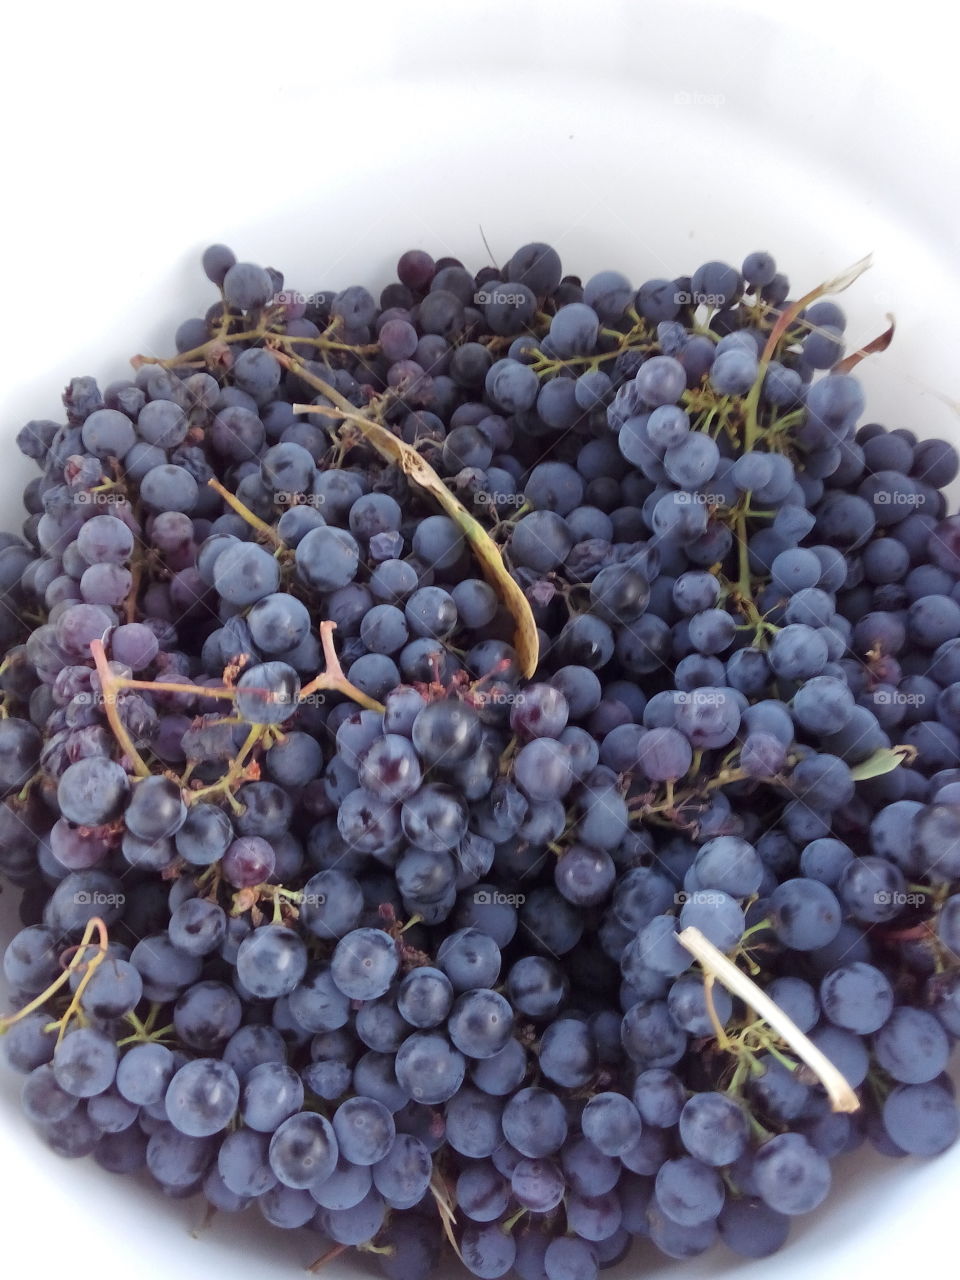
<point x="483" y="766"/>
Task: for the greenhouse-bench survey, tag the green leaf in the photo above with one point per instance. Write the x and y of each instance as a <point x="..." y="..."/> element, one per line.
<point x="884" y="760"/>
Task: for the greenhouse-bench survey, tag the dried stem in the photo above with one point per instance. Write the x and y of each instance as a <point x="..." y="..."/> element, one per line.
<point x="329" y="1256"/>
<point x="448" y="1216"/>
<point x="332" y="677"/>
<point x="419" y="472"/>
<point x="109" y="684"/>
<point x="714" y="962"/>
<point x="786" y="318"/>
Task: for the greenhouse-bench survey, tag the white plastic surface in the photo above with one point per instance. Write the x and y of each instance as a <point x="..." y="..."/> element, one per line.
<point x="325" y="139"/>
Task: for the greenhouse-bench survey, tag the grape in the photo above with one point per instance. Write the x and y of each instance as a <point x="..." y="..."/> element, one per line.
<point x="714" y="1128"/>
<point x="144" y="1072"/>
<point x="202" y="1097"/>
<point x="791" y="1177"/>
<point x="271" y="961"/>
<point x="912" y="1046"/>
<point x="805" y="914"/>
<point x="469" y="958"/>
<point x="481" y="1193"/>
<point x="857" y="997"/>
<point x="472" y="1123"/>
<point x="543" y="770"/>
<point x="205" y="835"/>
<point x="113" y="990"/>
<point x="245" y="285"/>
<point x="751" y="1229"/>
<point x="365" y="1130"/>
<point x="364" y="964"/>
<point x="921" y="1118"/>
<point x="248" y="861"/>
<point x="611" y="1122"/>
<point x="92" y="791"/>
<point x="688" y="1192"/>
<point x="271" y="1092"/>
<point x="243" y="1165"/>
<point x="535" y="1123"/>
<point x="502" y="1073"/>
<point x="569" y="1258"/>
<point x="268" y="693"/>
<point x="428" y="1068"/>
<point x="303" y="1151"/>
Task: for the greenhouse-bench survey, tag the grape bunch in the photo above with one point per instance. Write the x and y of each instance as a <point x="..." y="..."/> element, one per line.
<point x="482" y="765"/>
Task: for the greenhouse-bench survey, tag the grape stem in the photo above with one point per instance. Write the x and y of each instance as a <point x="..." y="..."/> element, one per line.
<point x="329" y="1256"/>
<point x="78" y="961"/>
<point x="715" y="963"/>
<point x="448" y="1216"/>
<point x="244" y="512"/>
<point x="332" y="677"/>
<point x="241" y="769"/>
<point x="213" y="346"/>
<point x="418" y="471"/>
<point x="723" y="1040"/>
<point x="109" y="683"/>
<point x="780" y="327"/>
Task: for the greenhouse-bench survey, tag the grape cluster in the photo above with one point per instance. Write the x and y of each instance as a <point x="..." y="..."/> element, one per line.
<point x="483" y="765"/>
